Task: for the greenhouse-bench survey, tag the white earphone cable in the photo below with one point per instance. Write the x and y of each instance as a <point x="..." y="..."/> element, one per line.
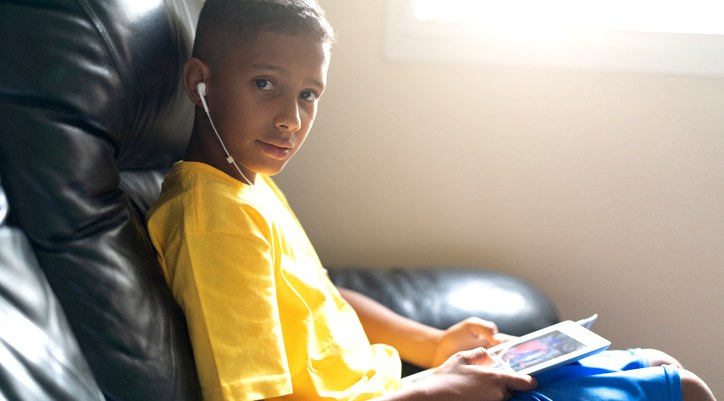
<point x="202" y="94"/>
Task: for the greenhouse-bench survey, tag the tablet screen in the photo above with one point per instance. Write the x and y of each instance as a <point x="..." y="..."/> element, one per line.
<point x="538" y="350"/>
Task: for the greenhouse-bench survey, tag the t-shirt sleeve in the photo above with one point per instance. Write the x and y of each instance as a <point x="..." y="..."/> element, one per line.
<point x="226" y="285"/>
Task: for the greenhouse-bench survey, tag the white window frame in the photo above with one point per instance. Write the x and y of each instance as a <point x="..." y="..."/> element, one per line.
<point x="409" y="39"/>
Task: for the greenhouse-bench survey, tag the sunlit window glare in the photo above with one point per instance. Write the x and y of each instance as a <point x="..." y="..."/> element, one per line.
<point x="662" y="36"/>
<point x="530" y="17"/>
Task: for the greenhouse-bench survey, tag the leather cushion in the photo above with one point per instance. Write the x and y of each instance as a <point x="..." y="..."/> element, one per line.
<point x="93" y="114"/>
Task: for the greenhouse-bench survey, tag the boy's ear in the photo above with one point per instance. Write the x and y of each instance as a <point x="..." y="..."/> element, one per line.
<point x="195" y="71"/>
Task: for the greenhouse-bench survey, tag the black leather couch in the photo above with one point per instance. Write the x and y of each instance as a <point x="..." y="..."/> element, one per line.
<point x="92" y="115"/>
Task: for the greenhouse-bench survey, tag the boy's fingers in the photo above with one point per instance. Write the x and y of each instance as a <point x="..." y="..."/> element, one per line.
<point x="479" y="327"/>
<point x="518" y="382"/>
<point x="501" y="337"/>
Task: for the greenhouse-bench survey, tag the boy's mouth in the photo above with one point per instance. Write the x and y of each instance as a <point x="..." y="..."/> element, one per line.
<point x="275" y="151"/>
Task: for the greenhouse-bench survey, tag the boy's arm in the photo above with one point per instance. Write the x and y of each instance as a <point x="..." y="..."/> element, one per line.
<point x="417" y="343"/>
<point x="465" y="377"/>
<point x="414" y="341"/>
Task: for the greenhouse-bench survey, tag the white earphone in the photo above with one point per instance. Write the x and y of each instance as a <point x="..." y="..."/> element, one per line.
<point x="201" y="90"/>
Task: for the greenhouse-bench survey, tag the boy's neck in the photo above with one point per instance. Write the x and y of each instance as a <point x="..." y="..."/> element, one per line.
<point x="203" y="148"/>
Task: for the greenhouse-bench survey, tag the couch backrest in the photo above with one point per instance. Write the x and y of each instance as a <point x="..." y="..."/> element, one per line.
<point x="40" y="361"/>
<point x="92" y="115"/>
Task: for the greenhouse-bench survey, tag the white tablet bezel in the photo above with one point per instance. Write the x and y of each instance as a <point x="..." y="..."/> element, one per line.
<point x="592" y="343"/>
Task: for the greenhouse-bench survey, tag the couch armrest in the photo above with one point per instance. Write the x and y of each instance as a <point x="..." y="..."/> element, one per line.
<point x="441" y="297"/>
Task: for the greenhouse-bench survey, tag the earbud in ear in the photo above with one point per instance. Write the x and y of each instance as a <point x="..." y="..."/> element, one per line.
<point x="201" y="88"/>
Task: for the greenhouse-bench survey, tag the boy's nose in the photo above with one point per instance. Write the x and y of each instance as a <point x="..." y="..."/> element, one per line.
<point x="288" y="117"/>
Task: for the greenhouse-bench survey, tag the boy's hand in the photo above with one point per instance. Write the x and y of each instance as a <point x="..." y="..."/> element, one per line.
<point x="465" y="377"/>
<point x="468" y="334"/>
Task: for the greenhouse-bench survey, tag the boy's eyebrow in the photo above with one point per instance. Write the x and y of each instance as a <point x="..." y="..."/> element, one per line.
<point x="282" y="70"/>
<point x="269" y="66"/>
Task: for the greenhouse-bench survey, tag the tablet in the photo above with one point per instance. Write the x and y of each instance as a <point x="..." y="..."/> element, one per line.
<point x="545" y="349"/>
<point x="539" y="351"/>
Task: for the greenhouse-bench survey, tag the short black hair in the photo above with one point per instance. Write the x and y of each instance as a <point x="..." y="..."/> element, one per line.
<point x="226" y="23"/>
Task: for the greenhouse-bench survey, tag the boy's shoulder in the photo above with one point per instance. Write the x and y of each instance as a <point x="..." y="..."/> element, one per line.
<point x="207" y="199"/>
<point x="190" y="185"/>
<point x="198" y="180"/>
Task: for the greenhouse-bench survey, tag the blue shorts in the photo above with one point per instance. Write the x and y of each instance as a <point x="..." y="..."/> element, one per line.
<point x="609" y="375"/>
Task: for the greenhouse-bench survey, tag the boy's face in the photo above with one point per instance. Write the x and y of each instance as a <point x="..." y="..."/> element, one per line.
<point x="263" y="98"/>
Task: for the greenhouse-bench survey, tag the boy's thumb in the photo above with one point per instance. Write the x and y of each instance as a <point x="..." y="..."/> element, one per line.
<point x="476" y="356"/>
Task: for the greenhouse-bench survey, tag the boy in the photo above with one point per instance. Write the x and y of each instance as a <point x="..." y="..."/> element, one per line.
<point x="264" y="319"/>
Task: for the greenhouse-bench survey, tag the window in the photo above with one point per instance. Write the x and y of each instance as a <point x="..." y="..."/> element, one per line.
<point x="672" y="36"/>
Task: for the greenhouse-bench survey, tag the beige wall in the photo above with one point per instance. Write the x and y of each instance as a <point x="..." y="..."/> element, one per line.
<point x="604" y="189"/>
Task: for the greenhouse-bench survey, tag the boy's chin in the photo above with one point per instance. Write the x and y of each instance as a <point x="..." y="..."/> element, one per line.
<point x="272" y="171"/>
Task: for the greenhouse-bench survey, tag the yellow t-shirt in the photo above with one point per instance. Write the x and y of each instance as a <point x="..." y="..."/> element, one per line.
<point x="264" y="319"/>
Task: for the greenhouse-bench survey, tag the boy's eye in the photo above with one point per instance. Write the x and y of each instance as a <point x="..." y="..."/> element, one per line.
<point x="309" y="96"/>
<point x="264" y="84"/>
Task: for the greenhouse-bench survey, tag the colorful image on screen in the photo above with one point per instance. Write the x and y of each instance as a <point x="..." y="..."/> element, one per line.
<point x="536" y="351"/>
